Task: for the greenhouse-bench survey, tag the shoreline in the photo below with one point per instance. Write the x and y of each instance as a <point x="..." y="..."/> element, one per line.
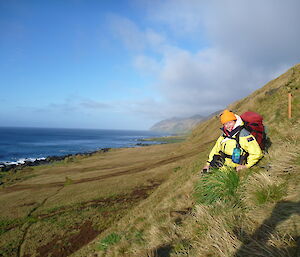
<point x="43" y="161"/>
<point x="31" y="162"/>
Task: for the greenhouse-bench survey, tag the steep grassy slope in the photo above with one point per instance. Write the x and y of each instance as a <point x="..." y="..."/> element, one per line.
<point x="258" y="217"/>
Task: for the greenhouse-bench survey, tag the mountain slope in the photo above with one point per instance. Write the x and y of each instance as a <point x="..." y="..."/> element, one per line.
<point x="261" y="220"/>
<point x="177" y="125"/>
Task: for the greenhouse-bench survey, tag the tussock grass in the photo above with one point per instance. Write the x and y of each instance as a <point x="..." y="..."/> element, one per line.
<point x="211" y="232"/>
<point x="109" y="240"/>
<point x="272" y="193"/>
<point x="263" y="188"/>
<point x="269" y="192"/>
<point x="217" y="185"/>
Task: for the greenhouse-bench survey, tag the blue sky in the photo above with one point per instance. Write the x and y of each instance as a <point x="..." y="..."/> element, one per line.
<point x="129" y="64"/>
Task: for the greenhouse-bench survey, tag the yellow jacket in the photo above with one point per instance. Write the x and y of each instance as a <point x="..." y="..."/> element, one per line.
<point x="248" y="144"/>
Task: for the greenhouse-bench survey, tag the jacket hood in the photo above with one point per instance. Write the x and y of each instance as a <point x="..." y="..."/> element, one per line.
<point x="239" y="122"/>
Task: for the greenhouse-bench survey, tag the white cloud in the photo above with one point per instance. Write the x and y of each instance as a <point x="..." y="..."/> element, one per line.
<point x="183" y="17"/>
<point x="91" y="104"/>
<point x="250" y="42"/>
<point x="147" y="64"/>
<point x="127" y="31"/>
<point x="154" y="39"/>
<point x="263" y="33"/>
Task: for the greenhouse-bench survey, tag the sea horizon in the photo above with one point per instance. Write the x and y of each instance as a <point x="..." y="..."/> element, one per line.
<point x="20" y="144"/>
<point x="37" y="127"/>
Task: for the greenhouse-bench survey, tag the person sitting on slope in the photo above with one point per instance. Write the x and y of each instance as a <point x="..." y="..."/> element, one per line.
<point x="236" y="147"/>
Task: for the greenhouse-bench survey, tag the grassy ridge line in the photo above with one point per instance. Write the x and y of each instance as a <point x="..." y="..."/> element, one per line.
<point x="261" y="219"/>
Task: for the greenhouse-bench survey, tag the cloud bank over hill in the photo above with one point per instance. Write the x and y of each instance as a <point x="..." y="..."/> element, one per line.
<point x="203" y="56"/>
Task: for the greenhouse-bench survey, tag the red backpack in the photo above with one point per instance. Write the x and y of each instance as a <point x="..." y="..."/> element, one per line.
<point x="253" y="122"/>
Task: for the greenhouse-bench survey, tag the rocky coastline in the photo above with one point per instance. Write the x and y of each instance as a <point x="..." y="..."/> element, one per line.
<point x="4" y="167"/>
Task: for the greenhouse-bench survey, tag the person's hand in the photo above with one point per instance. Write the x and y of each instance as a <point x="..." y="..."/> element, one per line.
<point x="205" y="169"/>
<point x="241" y="167"/>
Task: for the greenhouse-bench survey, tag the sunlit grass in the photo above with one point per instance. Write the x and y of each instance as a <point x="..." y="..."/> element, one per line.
<point x="109" y="240"/>
<point x="270" y="193"/>
<point x="217" y="185"/>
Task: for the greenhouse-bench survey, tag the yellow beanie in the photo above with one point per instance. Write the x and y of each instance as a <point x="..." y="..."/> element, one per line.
<point x="227" y="116"/>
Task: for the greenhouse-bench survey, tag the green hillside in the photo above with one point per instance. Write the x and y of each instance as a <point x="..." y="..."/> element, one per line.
<point x="152" y="201"/>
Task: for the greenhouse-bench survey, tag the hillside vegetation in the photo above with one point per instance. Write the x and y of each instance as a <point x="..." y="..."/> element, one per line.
<point x="255" y="213"/>
<point x="152" y="201"/>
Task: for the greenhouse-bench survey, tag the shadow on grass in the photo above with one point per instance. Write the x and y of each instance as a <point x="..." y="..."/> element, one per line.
<point x="256" y="244"/>
<point x="163" y="251"/>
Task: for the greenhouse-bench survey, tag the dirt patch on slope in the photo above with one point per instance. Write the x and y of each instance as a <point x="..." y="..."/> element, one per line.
<point x="138" y="193"/>
<point x="56" y="248"/>
<point x="82" y="234"/>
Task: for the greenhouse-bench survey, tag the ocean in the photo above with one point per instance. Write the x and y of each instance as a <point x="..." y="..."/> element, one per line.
<point x="18" y="145"/>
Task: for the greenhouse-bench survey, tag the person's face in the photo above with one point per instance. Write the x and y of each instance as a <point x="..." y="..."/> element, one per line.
<point x="229" y="125"/>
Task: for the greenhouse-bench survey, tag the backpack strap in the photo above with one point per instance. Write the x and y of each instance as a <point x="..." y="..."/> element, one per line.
<point x="237" y="138"/>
